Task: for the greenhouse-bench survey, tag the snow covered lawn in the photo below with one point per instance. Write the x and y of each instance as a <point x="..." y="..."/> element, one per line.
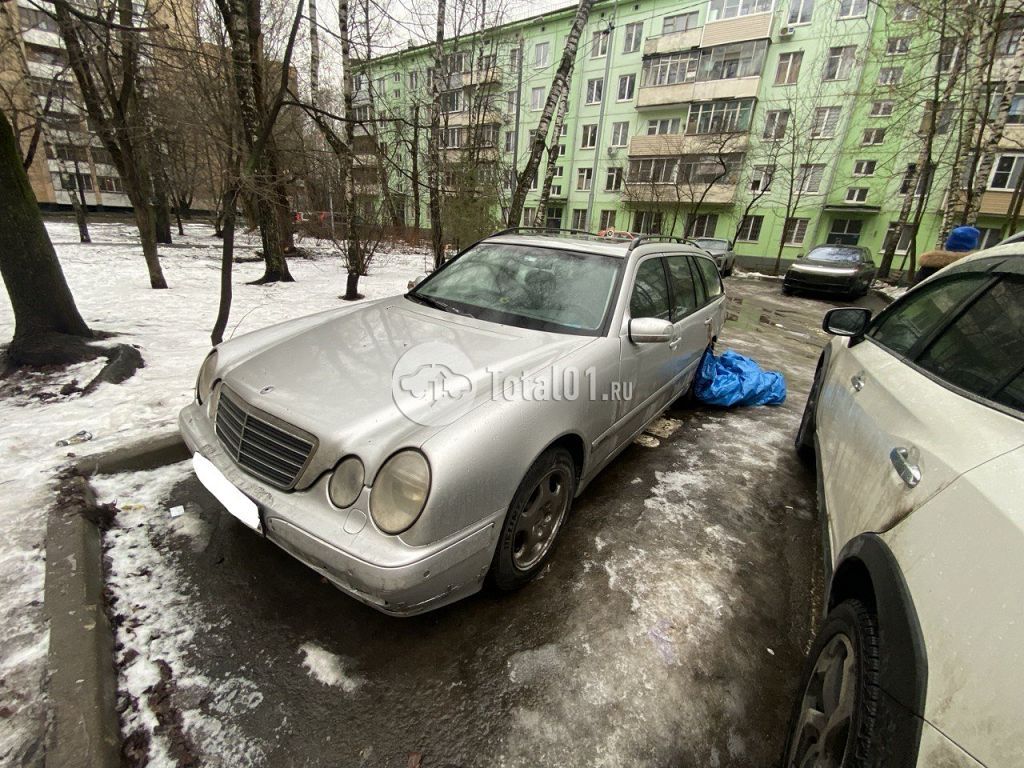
<point x="172" y="329"/>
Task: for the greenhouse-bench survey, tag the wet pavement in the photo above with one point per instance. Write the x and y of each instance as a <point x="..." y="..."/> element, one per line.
<point x="667" y="630"/>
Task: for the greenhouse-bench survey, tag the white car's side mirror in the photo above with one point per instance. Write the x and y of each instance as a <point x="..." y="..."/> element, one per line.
<point x="846" y="321"/>
<point x="649" y="330"/>
<point x="417" y="280"/>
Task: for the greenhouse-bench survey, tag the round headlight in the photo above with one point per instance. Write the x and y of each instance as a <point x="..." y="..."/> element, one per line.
<point x="346" y="482"/>
<point x="400" y="491"/>
<point x="204" y="384"/>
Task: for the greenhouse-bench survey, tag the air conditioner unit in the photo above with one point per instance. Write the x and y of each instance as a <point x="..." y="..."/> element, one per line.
<point x="613" y="151"/>
<point x="786" y="31"/>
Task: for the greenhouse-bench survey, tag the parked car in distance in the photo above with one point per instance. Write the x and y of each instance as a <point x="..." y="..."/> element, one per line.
<point x="720" y="251"/>
<point x="312" y="432"/>
<point x="842" y="269"/>
<point x="916" y="418"/>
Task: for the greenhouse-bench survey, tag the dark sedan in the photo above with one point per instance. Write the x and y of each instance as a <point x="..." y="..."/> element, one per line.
<point x="843" y="269"/>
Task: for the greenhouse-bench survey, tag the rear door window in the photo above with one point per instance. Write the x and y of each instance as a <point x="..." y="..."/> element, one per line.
<point x="982" y="351"/>
<point x="712" y="281"/>
<point x="685" y="287"/>
<point x="914" y="318"/>
<point x="650" y="296"/>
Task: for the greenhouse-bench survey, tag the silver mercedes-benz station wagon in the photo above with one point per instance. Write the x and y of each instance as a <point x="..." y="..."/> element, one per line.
<point x="410" y="448"/>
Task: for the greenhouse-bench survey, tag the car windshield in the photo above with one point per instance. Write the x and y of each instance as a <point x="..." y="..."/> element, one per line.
<point x="834" y="253"/>
<point x="710" y="244"/>
<point x="544" y="288"/>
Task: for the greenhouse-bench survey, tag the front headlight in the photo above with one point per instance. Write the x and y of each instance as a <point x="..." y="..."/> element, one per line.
<point x="400" y="491"/>
<point x="346" y="482"/>
<point x="204" y="384"/>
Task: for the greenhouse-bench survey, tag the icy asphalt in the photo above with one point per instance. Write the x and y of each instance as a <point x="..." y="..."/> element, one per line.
<point x="668" y="629"/>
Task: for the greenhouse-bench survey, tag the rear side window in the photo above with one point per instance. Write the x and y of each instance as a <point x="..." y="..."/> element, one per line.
<point x="917" y="316"/>
<point x="685" y="286"/>
<point x="712" y="281"/>
<point x="650" y="291"/>
<point x="982" y="351"/>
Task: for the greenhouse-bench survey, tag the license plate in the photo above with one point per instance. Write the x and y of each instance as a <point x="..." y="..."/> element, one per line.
<point x="234" y="501"/>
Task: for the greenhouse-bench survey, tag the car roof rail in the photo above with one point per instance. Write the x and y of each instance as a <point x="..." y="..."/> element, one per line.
<point x="644" y="239"/>
<point x="550" y="231"/>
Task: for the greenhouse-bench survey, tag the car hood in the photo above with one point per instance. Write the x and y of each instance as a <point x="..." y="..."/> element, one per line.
<point x="335" y="379"/>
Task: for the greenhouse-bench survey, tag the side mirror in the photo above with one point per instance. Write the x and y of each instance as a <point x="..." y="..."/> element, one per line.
<point x="417" y="280"/>
<point x="649" y="330"/>
<point x="846" y="321"/>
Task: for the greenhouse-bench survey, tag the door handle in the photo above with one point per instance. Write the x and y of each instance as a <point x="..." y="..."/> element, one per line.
<point x="857" y="380"/>
<point x="909" y="473"/>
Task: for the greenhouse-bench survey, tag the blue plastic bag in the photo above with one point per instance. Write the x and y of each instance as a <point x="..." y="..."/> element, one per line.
<point x="732" y="379"/>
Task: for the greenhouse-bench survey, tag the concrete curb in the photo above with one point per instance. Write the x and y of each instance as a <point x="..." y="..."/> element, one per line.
<point x="83" y="729"/>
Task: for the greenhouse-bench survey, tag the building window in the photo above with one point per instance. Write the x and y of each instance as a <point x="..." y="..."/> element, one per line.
<point x="890" y="75"/>
<point x="990" y="236"/>
<point x="839" y="62"/>
<point x="906" y="235"/>
<point x="538" y="96"/>
<point x="674" y="68"/>
<point x="633" y="35"/>
<point x="579" y="218"/>
<point x="775" y="122"/>
<point x="808" y="178"/>
<point x="620" y="134"/>
<point x="515" y="58"/>
<point x="882" y="108"/>
<point x="857" y="195"/>
<point x="627" y="84"/>
<point x="904" y="12"/>
<point x="1009" y="37"/>
<point x="541" y="55"/>
<point x="510" y="141"/>
<point x="678" y="23"/>
<point x="789" y="68"/>
<point x="599" y="44"/>
<point x="844" y="232"/>
<point x="897" y="46"/>
<point x="648" y="222"/>
<point x="703" y="225"/>
<point x="761" y="178"/>
<point x="826" y="120"/>
<point x="664" y="126"/>
<point x="414" y="80"/>
<point x="653" y="170"/>
<point x="750" y="229"/>
<point x="589" y="140"/>
<point x="607" y="220"/>
<point x="553" y="219"/>
<point x="852" y="9"/>
<point x="719" y="116"/>
<point x="800" y="11"/>
<point x="559" y="171"/>
<point x="613" y="180"/>
<point x="911" y="178"/>
<point x="529" y="215"/>
<point x="595" y="89"/>
<point x="727" y="62"/>
<point x="873" y="136"/>
<point x="487" y="135"/>
<point x="949" y="54"/>
<point x="864" y="167"/>
<point x="1006" y="172"/>
<point x="584" y="179"/>
<point x="794" y="231"/>
<point x="451" y="102"/>
<point x="1015" y="116"/>
<point x="729" y="9"/>
<point x="361" y="113"/>
<point x="451" y="138"/>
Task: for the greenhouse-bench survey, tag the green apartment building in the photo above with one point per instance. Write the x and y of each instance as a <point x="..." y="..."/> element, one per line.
<point x="780" y="123"/>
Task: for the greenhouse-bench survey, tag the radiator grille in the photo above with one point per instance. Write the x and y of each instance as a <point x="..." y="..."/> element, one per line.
<point x="272" y="452"/>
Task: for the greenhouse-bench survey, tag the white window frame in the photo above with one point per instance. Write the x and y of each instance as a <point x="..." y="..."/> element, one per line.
<point x="796" y="234"/>
<point x="578" y="221"/>
<point x="633" y="37"/>
<point x="607" y="219"/>
<point x="809" y="177"/>
<point x="801" y="12"/>
<point x="584" y="179"/>
<point x="844" y="57"/>
<point x="613" y="178"/>
<point x="772" y="119"/>
<point x="860" y="168"/>
<point x="620" y="134"/>
<point x="873" y="137"/>
<point x="856" y="9"/>
<point x="1012" y="174"/>
<point x="883" y="108"/>
<point x="790" y="71"/>
<point x="825" y="122"/>
<point x="595" y="91"/>
<point x="542" y="55"/>
<point x="898" y="46"/>
<point x="857" y="194"/>
<point x="599" y="44"/>
<point x="890" y="76"/>
<point x="588" y="133"/>
<point x="744" y="233"/>
<point x="629" y="82"/>
<point x="538" y="97"/>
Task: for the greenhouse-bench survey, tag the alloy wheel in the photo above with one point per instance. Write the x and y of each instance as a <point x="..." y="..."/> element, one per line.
<point x="822" y="732"/>
<point x="540" y="519"/>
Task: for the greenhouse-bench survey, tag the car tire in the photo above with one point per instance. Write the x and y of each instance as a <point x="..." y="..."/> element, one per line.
<point x="535" y="516"/>
<point x="804" y="440"/>
<point x="834" y="717"/>
<point x="787" y="290"/>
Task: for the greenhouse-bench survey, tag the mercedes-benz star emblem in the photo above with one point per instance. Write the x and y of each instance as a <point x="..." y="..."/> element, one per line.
<point x="266" y="390"/>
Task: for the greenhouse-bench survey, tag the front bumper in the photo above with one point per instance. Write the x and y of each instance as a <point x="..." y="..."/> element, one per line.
<point x="344" y="546"/>
<point x="826" y="283"/>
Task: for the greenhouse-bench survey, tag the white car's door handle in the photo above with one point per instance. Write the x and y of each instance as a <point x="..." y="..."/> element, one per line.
<point x="909" y="473"/>
<point x="857" y="381"/>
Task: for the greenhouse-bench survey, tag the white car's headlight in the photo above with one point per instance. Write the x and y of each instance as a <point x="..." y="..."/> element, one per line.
<point x="204" y="384"/>
<point x="346" y="482"/>
<point x="400" y="491"/>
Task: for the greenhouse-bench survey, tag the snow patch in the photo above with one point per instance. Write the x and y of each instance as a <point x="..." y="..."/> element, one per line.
<point x="329" y="668"/>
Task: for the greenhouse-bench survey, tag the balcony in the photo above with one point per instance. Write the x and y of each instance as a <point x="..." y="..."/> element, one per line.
<point x="674" y="145"/>
<point x="464" y="117"/>
<point x="672" y="42"/>
<point x="996" y="202"/>
<point x="753" y="27"/>
<point x="1013" y="137"/>
<point x="491" y="76"/>
<point x="678" y="194"/>
<point x="709" y="90"/>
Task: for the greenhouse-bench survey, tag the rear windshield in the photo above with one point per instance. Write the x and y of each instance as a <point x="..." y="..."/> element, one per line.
<point x="829" y="253"/>
<point x="712" y="245"/>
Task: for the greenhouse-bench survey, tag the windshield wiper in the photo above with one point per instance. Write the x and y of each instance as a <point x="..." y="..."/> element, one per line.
<point x="432" y="302"/>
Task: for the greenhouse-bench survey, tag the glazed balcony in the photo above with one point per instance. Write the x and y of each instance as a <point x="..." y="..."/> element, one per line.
<point x="673" y="42"/>
<point x="674" y="145"/>
<point x="678" y="194"/>
<point x="708" y="90"/>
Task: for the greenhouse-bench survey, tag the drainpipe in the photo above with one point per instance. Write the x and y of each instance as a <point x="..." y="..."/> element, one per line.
<point x="515" y="133"/>
<point x="600" y="118"/>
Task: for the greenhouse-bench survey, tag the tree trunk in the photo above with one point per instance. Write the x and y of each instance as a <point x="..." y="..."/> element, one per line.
<point x="549" y="172"/>
<point x="415" y="172"/>
<point x="227" y="256"/>
<point x="434" y="148"/>
<point x="558" y="87"/>
<point x="78" y="206"/>
<point x="161" y="207"/>
<point x="44" y="309"/>
<point x="352" y="287"/>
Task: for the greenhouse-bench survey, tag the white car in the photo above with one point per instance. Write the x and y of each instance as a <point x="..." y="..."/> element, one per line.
<point x="916" y="418"/>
